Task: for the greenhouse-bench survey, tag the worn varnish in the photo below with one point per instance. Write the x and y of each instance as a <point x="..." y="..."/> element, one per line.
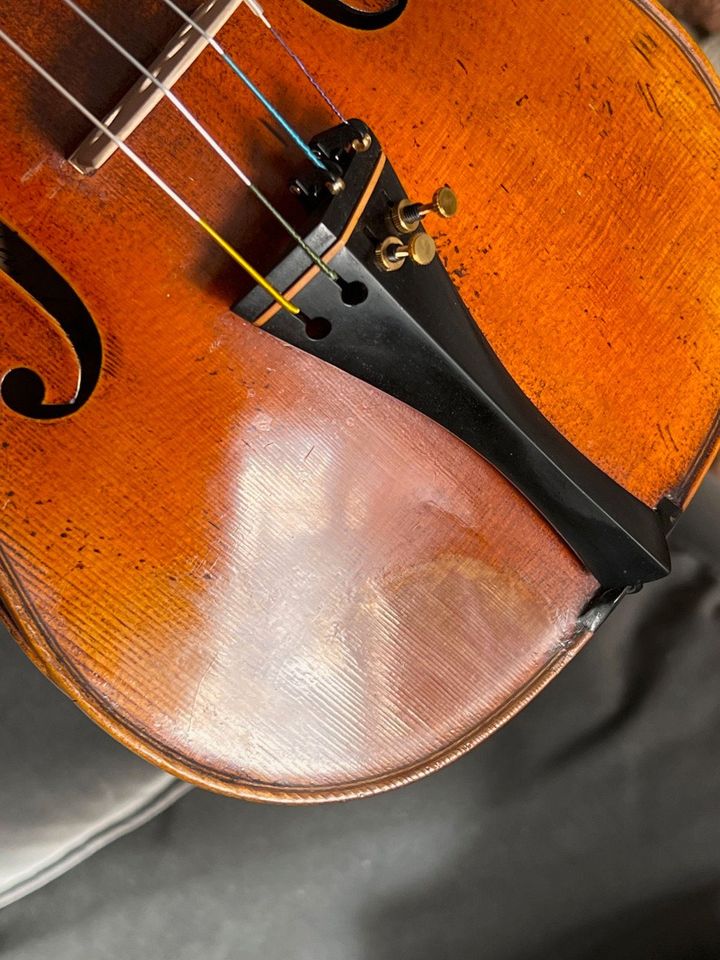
<point x="253" y="570"/>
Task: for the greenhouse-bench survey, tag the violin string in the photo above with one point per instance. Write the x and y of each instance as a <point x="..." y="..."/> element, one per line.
<point x="148" y="171"/>
<point x="262" y="16"/>
<point x="195" y="123"/>
<point x="291" y="53"/>
<point x="292" y="133"/>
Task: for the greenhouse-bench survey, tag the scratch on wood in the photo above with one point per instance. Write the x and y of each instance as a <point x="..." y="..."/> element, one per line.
<point x="29" y="174"/>
<point x="666" y="434"/>
<point x="672" y="438"/>
<point x="646" y="93"/>
<point x="201" y="682"/>
<point x="642" y="53"/>
<point x="645" y="45"/>
<point x="648" y="41"/>
<point x="654" y="101"/>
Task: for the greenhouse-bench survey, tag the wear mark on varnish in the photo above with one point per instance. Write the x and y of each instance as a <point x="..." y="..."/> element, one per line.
<point x="198" y="691"/>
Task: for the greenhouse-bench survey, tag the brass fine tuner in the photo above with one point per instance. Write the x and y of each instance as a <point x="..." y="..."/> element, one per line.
<point x="393" y="252"/>
<point x="406" y="216"/>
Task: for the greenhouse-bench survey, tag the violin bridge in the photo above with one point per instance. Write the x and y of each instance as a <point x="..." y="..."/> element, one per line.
<point x="142" y="98"/>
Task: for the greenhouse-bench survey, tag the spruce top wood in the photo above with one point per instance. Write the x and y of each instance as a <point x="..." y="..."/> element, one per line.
<point x="255" y="571"/>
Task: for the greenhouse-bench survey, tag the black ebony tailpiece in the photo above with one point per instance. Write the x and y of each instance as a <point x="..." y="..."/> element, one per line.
<point x="408" y="333"/>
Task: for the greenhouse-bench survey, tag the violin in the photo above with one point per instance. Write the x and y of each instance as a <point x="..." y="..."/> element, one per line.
<point x="356" y="360"/>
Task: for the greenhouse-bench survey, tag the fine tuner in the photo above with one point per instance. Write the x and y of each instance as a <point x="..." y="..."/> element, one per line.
<point x="392" y="252"/>
<point x="405" y="218"/>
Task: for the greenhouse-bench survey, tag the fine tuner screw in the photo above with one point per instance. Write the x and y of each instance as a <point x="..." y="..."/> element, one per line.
<point x="361" y="144"/>
<point x="336" y="186"/>
<point x="406" y="216"/>
<point x="392" y="252"/>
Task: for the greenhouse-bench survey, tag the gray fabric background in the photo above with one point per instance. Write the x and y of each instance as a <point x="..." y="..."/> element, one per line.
<point x="66" y="788"/>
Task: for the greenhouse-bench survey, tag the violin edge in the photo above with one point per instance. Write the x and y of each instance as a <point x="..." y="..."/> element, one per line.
<point x="32" y="640"/>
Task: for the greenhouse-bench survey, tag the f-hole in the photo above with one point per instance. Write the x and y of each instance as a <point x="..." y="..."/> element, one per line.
<point x="22" y="390"/>
<point x="350" y="16"/>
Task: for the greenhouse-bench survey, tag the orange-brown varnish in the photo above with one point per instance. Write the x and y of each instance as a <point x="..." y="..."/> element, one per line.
<point x="253" y="570"/>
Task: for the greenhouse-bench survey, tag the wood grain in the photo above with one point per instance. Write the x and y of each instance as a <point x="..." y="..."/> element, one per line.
<point x="253" y="570"/>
